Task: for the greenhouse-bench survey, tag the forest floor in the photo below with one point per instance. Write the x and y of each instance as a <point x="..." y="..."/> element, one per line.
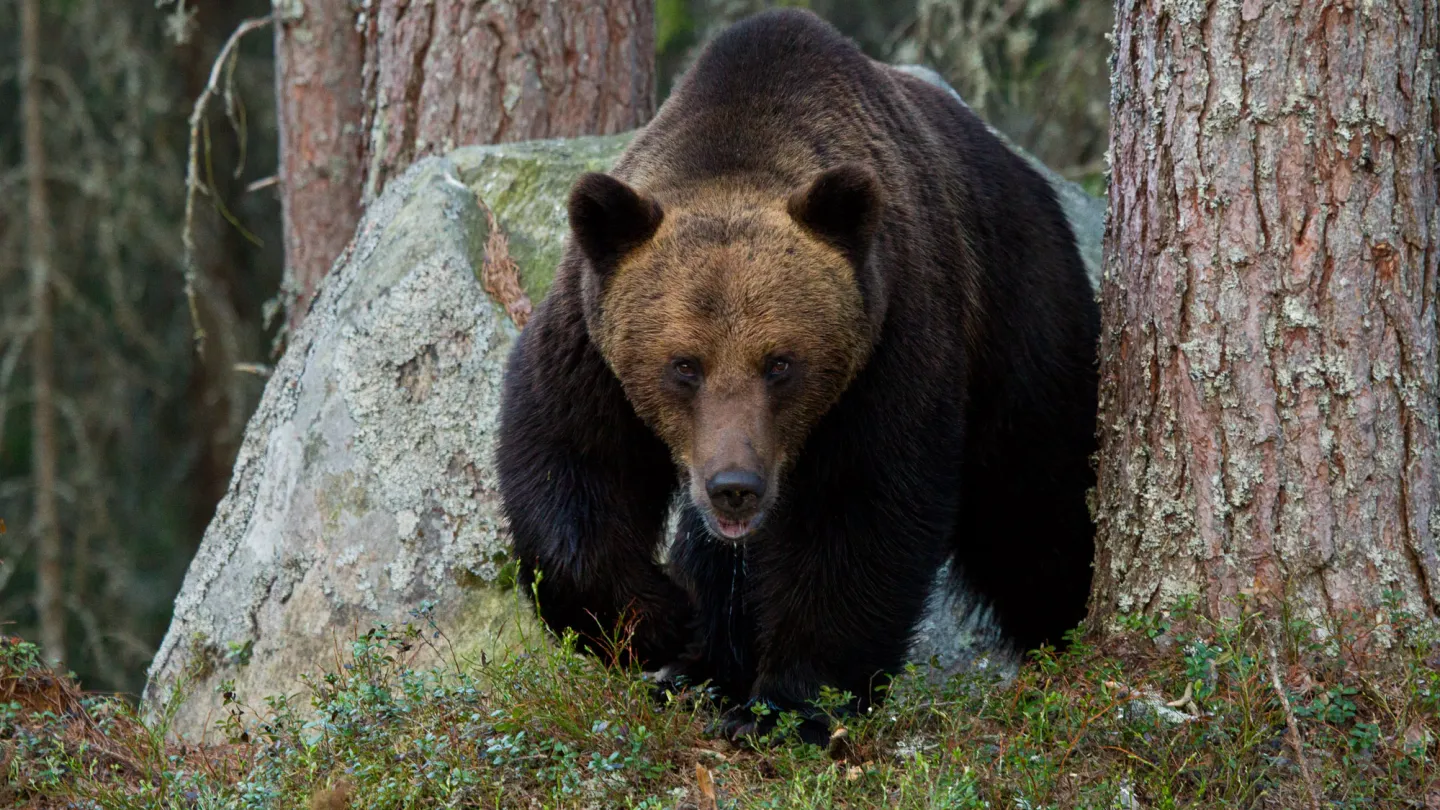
<point x="1175" y="713"/>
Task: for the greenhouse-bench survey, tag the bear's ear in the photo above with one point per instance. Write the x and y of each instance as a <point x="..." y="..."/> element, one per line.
<point x="609" y="219"/>
<point x="842" y="207"/>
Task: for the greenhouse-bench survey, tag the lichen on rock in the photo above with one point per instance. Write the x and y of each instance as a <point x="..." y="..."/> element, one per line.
<point x="364" y="483"/>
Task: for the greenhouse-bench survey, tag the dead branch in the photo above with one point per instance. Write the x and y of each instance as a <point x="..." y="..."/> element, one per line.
<point x="263" y="183"/>
<point x="1296" y="741"/>
<point x="192" y="172"/>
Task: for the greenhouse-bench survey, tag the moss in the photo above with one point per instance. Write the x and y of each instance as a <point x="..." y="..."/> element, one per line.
<point x="492" y="622"/>
<point x="526" y="185"/>
<point x="339" y="494"/>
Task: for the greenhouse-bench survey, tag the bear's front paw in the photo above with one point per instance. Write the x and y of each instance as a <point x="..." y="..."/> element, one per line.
<point x="761" y="720"/>
<point x="679" y="682"/>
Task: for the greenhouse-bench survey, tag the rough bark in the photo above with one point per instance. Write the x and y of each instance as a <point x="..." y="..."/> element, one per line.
<point x="319" y="55"/>
<point x="364" y="91"/>
<point x="1270" y="419"/>
<point x="45" y="530"/>
<point x="364" y="484"/>
<point x="443" y="74"/>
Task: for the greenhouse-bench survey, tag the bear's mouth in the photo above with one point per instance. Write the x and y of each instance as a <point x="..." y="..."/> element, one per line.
<point x="732" y="530"/>
<point x="734" y="526"/>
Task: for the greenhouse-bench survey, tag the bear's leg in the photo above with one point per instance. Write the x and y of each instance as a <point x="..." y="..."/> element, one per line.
<point x="1024" y="539"/>
<point x="837" y="597"/>
<point x="586" y="487"/>
<point x="1026" y="545"/>
<point x="715" y="572"/>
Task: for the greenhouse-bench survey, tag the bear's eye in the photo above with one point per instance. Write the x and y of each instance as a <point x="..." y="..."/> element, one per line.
<point x="777" y="367"/>
<point x="685" y="369"/>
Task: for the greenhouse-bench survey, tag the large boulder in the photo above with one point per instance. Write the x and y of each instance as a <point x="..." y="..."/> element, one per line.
<point x="364" y="489"/>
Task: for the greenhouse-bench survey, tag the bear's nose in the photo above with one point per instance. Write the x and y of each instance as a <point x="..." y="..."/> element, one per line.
<point x="735" y="493"/>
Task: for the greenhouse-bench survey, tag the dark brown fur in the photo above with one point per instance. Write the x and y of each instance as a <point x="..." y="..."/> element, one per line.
<point x="794" y="197"/>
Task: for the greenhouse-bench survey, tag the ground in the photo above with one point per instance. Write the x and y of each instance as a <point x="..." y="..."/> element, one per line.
<point x="552" y="728"/>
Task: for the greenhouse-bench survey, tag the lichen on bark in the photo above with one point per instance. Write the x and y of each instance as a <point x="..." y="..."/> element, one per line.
<point x="1269" y="394"/>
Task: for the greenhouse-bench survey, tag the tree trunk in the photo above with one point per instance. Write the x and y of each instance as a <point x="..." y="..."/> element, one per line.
<point x="362" y="97"/>
<point x="440" y="75"/>
<point x="49" y="591"/>
<point x="318" y="58"/>
<point x="1268" y="402"/>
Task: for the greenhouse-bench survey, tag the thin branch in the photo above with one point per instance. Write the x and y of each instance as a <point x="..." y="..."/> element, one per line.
<point x="8" y="363"/>
<point x="192" y="171"/>
<point x="258" y="369"/>
<point x="263" y="183"/>
<point x="1296" y="741"/>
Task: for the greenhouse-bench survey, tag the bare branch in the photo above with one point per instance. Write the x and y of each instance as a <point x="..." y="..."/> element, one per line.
<point x="1296" y="741"/>
<point x="192" y="172"/>
<point x="8" y="363"/>
<point x="263" y="183"/>
<point x="258" y="369"/>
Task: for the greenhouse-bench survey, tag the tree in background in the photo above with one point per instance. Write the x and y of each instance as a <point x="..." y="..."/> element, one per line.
<point x="144" y="431"/>
<point x="363" y="95"/>
<point x="1037" y="70"/>
<point x="39" y="241"/>
<point x="319" y="51"/>
<point x="1270" y="417"/>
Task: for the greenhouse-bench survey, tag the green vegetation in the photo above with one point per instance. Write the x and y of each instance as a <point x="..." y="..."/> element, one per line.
<point x="552" y="728"/>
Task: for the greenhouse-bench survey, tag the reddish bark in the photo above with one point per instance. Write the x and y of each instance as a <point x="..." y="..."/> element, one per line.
<point x="1270" y="417"/>
<point x="439" y="75"/>
<point x="363" y="96"/>
<point x="319" y="55"/>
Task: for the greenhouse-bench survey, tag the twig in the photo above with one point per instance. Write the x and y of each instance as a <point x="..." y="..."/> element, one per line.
<point x="263" y="183"/>
<point x="1069" y="749"/>
<point x="8" y="362"/>
<point x="1153" y="702"/>
<point x="1295" y="740"/>
<point x="192" y="171"/>
<point x="258" y="369"/>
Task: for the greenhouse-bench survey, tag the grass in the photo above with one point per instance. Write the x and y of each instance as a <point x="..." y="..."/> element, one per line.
<point x="552" y="728"/>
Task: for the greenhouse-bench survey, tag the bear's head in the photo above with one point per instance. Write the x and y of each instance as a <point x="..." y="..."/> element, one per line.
<point x="733" y="320"/>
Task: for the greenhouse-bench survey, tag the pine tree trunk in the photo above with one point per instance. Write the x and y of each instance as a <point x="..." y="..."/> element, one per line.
<point x="318" y="58"/>
<point x="1269" y="416"/>
<point x="50" y="576"/>
<point x="446" y="74"/>
<point x="362" y="96"/>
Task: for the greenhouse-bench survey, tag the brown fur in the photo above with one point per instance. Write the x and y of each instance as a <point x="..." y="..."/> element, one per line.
<point x="730" y="280"/>
<point x="795" y="198"/>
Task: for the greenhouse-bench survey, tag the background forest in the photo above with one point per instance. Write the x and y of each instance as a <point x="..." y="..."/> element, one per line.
<point x="148" y="427"/>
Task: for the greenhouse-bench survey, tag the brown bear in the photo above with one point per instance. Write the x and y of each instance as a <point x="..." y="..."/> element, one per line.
<point x="823" y="305"/>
